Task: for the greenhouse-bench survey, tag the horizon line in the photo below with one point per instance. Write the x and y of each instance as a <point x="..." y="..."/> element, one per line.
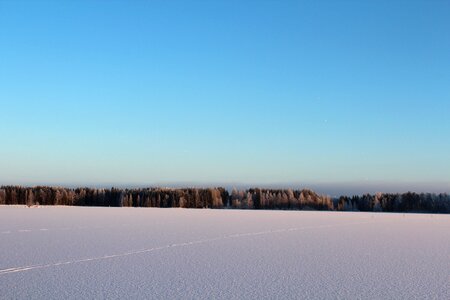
<point x="343" y="188"/>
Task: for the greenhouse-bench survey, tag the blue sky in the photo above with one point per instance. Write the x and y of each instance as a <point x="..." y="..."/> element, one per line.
<point x="205" y="92"/>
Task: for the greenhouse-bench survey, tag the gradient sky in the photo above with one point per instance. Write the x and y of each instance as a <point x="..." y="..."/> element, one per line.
<point x="260" y="92"/>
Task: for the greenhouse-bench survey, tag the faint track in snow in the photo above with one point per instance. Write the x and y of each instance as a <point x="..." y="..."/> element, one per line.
<point x="183" y="244"/>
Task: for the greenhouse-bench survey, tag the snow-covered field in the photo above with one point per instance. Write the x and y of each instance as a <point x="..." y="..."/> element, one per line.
<point x="81" y="252"/>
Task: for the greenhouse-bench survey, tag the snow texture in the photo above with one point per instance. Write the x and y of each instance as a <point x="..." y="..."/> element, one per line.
<point x="143" y="253"/>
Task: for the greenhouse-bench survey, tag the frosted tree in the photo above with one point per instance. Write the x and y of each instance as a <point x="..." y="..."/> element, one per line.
<point x="29" y="197"/>
<point x="2" y="196"/>
<point x="284" y="200"/>
<point x="235" y="198"/>
<point x="293" y="202"/>
<point x="250" y="203"/>
<point x="301" y="200"/>
<point x="58" y="197"/>
<point x="216" y="198"/>
<point x="376" y="202"/>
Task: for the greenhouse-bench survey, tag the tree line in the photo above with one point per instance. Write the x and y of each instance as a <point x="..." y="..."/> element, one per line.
<point x="254" y="198"/>
<point x="406" y="202"/>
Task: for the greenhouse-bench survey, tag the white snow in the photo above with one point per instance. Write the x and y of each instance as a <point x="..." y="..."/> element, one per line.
<point x="123" y="253"/>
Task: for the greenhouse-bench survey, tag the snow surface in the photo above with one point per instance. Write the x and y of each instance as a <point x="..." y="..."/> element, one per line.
<point x="86" y="252"/>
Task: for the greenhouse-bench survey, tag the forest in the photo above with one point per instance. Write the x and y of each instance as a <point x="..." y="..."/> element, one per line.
<point x="254" y="198"/>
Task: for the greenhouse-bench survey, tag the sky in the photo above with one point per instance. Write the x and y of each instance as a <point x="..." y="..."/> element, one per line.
<point x="342" y="93"/>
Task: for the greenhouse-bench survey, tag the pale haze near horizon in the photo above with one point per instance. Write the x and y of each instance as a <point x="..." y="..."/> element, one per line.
<point x="341" y="96"/>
